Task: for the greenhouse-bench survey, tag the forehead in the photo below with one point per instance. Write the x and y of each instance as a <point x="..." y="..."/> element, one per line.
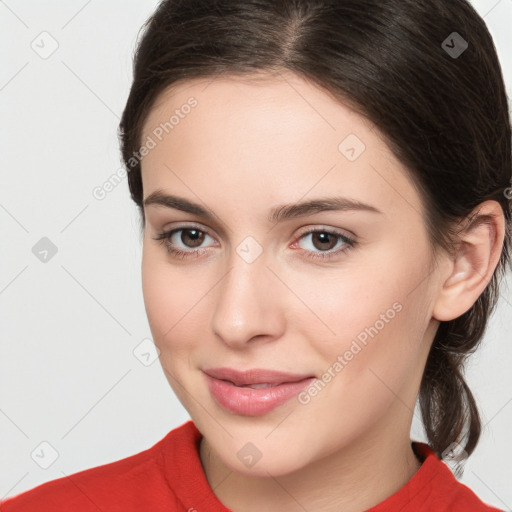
<point x="281" y="102"/>
<point x="269" y="135"/>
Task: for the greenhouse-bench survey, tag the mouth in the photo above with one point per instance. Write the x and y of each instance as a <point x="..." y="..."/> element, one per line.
<point x="253" y="392"/>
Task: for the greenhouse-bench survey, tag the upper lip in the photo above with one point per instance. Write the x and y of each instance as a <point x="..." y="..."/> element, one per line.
<point x="254" y="376"/>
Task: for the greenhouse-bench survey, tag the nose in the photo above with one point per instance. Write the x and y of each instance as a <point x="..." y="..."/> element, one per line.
<point x="247" y="305"/>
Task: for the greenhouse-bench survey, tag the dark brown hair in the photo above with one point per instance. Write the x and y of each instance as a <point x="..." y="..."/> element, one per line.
<point x="441" y="107"/>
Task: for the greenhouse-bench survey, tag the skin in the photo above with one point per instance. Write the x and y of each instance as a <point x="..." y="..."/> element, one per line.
<point x="248" y="146"/>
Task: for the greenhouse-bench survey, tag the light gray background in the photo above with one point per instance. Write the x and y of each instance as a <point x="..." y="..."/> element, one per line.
<point x="68" y="373"/>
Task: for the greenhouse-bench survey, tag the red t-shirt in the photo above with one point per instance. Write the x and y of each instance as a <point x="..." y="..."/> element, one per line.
<point x="169" y="477"/>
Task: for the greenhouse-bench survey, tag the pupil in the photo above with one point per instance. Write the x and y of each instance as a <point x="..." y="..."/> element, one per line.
<point x="324" y="239"/>
<point x="196" y="236"/>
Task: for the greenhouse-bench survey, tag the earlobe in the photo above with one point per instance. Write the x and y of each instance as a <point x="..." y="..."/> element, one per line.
<point x="474" y="262"/>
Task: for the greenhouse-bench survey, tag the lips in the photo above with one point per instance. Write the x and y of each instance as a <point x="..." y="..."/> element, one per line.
<point x="253" y="392"/>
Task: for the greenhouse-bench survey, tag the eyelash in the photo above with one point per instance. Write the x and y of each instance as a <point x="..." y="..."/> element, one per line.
<point x="164" y="239"/>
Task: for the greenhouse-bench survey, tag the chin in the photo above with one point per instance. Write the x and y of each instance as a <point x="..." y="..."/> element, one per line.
<point x="248" y="449"/>
<point x="273" y="463"/>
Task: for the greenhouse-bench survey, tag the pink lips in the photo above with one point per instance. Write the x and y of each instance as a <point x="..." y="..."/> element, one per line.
<point x="232" y="389"/>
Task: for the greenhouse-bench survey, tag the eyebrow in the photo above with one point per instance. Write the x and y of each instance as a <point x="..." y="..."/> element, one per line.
<point x="277" y="214"/>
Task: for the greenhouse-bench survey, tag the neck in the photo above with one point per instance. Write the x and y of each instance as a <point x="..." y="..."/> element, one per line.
<point x="354" y="478"/>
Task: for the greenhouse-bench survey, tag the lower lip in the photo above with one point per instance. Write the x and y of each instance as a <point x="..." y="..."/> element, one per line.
<point x="253" y="402"/>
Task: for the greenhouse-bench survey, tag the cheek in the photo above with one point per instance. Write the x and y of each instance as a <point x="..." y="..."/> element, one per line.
<point x="174" y="299"/>
<point x="371" y="364"/>
<point x="340" y="305"/>
<point x="373" y="320"/>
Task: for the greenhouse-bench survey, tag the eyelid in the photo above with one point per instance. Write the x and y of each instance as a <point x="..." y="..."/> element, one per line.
<point x="328" y="229"/>
<point x="184" y="226"/>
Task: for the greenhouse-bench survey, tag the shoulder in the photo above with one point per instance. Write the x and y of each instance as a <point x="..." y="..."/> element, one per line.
<point x="439" y="490"/>
<point x="140" y="480"/>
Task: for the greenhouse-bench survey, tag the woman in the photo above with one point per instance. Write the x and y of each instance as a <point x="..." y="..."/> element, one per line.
<point x="325" y="204"/>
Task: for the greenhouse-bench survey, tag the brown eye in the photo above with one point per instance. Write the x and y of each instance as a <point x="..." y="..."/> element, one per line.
<point x="324" y="240"/>
<point x="325" y="244"/>
<point x="184" y="242"/>
<point x="192" y="237"/>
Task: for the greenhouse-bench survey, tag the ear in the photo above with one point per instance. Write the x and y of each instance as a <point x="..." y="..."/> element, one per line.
<point x="472" y="267"/>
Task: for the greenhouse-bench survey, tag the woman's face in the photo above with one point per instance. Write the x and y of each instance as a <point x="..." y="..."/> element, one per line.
<point x="345" y="312"/>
